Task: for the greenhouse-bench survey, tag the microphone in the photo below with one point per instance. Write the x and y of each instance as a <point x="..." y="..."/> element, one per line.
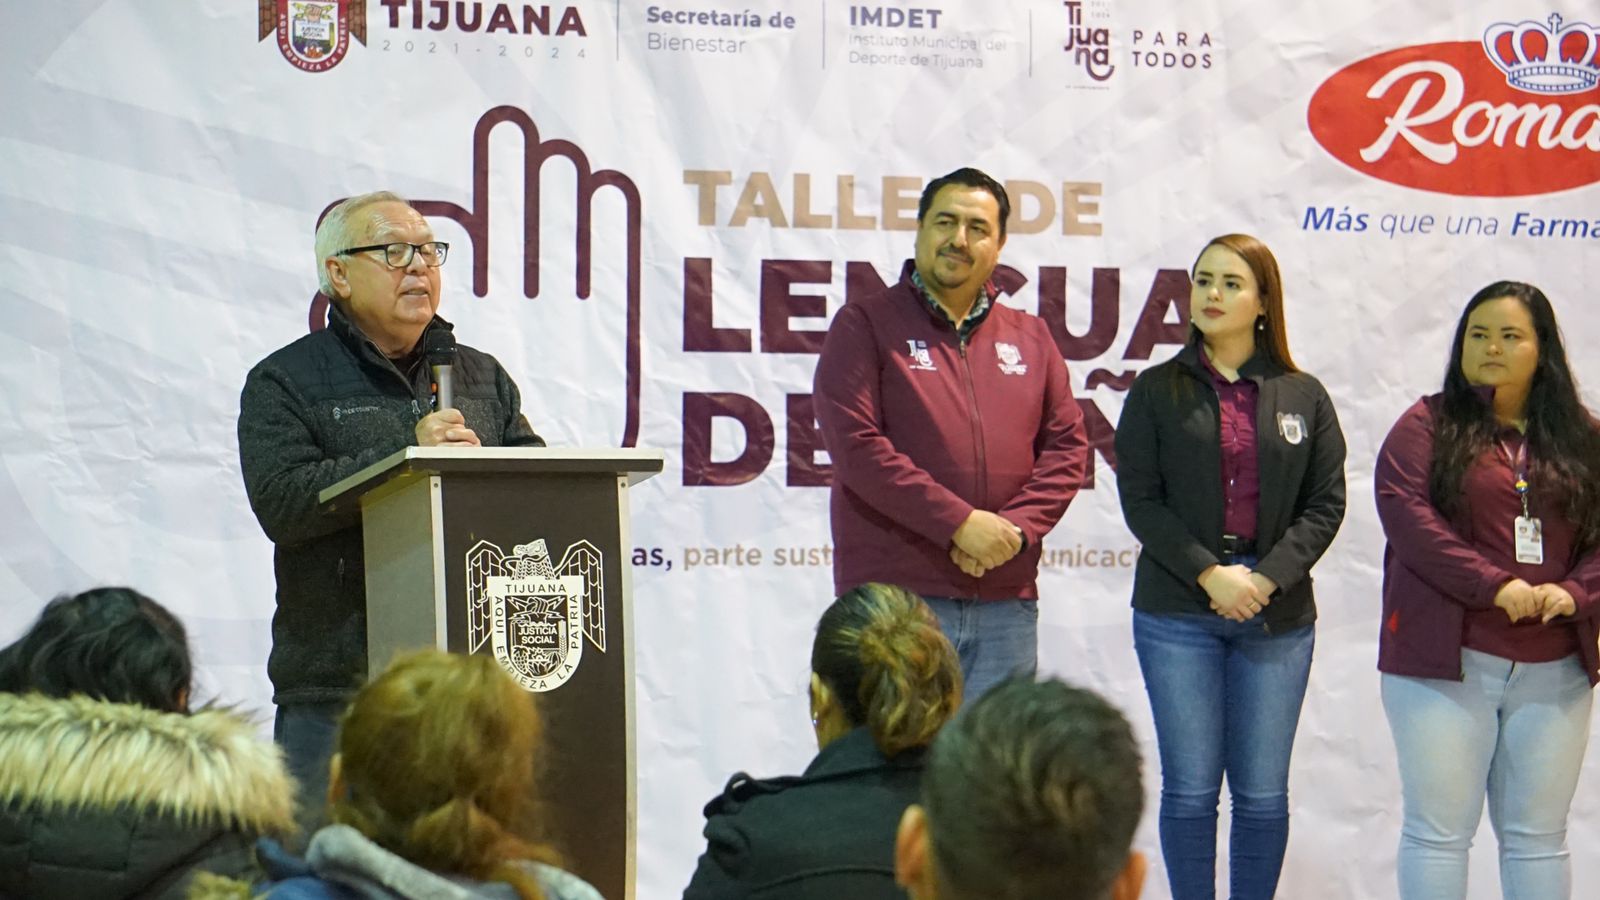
<point x="440" y="349"/>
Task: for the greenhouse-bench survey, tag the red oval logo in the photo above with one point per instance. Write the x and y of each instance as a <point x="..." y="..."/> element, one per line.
<point x="1443" y="118"/>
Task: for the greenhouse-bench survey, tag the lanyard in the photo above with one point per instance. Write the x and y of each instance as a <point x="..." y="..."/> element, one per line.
<point x="1519" y="468"/>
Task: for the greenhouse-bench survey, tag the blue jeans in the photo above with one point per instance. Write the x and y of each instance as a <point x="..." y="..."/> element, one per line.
<point x="1226" y="698"/>
<point x="1514" y="732"/>
<point x="307" y="732"/>
<point x="995" y="639"/>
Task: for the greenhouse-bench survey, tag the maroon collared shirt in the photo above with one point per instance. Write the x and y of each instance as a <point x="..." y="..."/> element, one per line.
<point x="1241" y="473"/>
<point x="1493" y="506"/>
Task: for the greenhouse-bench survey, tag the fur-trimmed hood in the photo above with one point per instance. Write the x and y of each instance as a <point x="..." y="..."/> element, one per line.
<point x="207" y="768"/>
<point x="101" y="801"/>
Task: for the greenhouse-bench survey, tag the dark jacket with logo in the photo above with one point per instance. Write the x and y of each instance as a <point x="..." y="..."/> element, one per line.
<point x="1434" y="569"/>
<point x="1169" y="476"/>
<point x="311" y="414"/>
<point x="923" y="426"/>
<point x="109" y="801"/>
<point x="825" y="835"/>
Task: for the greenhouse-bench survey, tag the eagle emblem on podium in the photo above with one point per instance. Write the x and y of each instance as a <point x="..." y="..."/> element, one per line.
<point x="533" y="613"/>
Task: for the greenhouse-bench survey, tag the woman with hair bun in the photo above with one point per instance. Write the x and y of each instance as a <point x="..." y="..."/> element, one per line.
<point x="884" y="680"/>
<point x="431" y="793"/>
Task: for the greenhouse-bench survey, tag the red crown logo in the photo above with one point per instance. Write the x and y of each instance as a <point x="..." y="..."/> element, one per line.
<point x="1540" y="59"/>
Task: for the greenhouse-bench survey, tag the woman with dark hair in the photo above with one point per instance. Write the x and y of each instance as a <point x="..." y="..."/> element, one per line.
<point x="431" y="793"/>
<point x="1489" y="494"/>
<point x="1230" y="467"/>
<point x="884" y="680"/>
<point x="112" y="644"/>
<point x="109" y="787"/>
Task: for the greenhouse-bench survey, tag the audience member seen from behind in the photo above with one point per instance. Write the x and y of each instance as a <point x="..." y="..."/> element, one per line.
<point x="884" y="680"/>
<point x="431" y="793"/>
<point x="1033" y="793"/>
<point x="1231" y="474"/>
<point x="109" y="786"/>
<point x="1489" y="494"/>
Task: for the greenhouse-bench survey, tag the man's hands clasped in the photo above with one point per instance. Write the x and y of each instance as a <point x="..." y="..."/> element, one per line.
<point x="984" y="541"/>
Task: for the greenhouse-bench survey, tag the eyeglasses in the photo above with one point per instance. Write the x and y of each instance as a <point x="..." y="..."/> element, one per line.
<point x="398" y="254"/>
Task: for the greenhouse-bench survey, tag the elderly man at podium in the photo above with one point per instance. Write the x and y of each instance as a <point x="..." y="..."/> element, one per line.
<point x="330" y="404"/>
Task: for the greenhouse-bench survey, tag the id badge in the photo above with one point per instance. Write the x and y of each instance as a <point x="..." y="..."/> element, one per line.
<point x="1530" y="541"/>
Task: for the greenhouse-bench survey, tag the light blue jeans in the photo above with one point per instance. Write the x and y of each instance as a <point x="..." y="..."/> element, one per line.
<point x="995" y="639"/>
<point x="1225" y="697"/>
<point x="1514" y="732"/>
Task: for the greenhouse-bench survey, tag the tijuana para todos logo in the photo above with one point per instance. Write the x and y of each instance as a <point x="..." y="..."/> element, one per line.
<point x="1514" y="114"/>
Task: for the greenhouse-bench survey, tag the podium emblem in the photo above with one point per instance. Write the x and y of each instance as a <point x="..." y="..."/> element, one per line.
<point x="535" y="615"/>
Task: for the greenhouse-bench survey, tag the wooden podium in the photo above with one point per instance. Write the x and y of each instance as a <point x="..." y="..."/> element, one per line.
<point x="521" y="553"/>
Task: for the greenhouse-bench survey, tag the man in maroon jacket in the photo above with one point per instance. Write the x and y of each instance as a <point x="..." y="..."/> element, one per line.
<point x="955" y="441"/>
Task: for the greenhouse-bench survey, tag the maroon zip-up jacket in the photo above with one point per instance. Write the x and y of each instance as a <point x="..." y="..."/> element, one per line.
<point x="1433" y="574"/>
<point x="923" y="427"/>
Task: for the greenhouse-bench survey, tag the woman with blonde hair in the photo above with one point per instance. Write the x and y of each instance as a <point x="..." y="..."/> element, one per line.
<point x="884" y="680"/>
<point x="431" y="793"/>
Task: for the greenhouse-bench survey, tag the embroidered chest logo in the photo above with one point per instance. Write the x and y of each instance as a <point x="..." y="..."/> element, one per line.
<point x="1010" y="359"/>
<point x="534" y="613"/>
<point x="341" y="412"/>
<point x="921" y="361"/>
<point x="1292" y="426"/>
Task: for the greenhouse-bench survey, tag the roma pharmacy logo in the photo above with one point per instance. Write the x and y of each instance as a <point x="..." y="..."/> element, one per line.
<point x="1513" y="114"/>
<point x="313" y="36"/>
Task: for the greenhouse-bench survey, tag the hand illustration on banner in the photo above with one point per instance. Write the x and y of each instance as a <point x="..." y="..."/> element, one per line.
<point x="475" y="221"/>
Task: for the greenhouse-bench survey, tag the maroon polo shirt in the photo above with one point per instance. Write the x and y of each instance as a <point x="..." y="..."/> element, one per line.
<point x="1241" y="473"/>
<point x="1493" y="506"/>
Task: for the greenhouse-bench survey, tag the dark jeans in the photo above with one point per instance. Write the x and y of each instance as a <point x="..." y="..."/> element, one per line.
<point x="306" y="732"/>
<point x="1226" y="697"/>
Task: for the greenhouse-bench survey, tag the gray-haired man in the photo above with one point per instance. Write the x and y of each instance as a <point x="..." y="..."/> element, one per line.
<point x="328" y="405"/>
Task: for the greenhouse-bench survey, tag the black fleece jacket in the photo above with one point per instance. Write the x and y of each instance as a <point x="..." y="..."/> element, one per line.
<point x="311" y="414"/>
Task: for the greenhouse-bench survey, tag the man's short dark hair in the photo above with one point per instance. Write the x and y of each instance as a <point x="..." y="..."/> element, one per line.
<point x="1033" y="791"/>
<point x="966" y="177"/>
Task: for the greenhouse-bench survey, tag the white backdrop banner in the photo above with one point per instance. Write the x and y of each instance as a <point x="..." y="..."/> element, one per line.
<point x="657" y="206"/>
